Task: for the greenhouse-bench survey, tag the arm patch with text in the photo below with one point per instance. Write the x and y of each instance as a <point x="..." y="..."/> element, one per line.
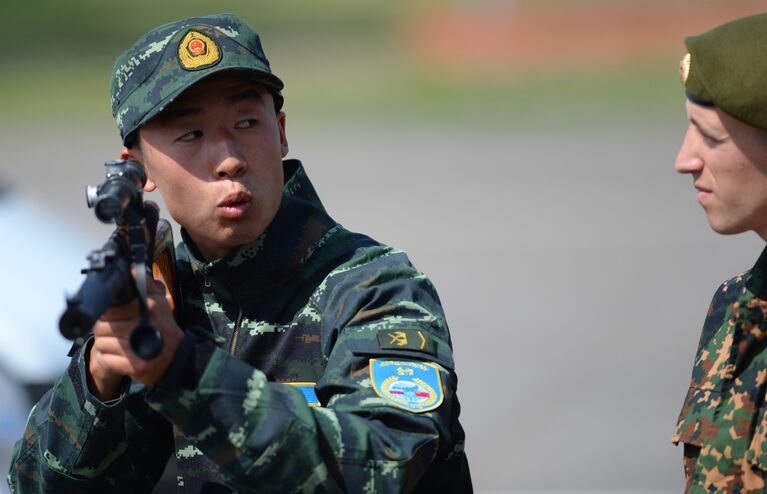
<point x="408" y="384"/>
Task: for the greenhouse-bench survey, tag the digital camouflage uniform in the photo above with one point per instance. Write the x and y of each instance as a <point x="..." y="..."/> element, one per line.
<point x="307" y="302"/>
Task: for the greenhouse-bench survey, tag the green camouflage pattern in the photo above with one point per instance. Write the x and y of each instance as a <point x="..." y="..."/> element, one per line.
<point x="149" y="76"/>
<point x="724" y="411"/>
<point x="306" y="302"/>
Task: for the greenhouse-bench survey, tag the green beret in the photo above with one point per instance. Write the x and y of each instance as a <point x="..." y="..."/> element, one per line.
<point x="166" y="61"/>
<point x="727" y="67"/>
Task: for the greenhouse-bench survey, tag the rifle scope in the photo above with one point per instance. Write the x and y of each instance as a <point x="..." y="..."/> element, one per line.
<point x="109" y="281"/>
<point x="122" y="187"/>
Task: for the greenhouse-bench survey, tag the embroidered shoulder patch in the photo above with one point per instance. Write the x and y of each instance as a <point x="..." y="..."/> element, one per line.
<point x="309" y="395"/>
<point x="198" y="51"/>
<point x="408" y="384"/>
<point x="407" y="339"/>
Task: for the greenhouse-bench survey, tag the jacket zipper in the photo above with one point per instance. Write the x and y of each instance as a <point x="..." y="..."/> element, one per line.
<point x="238" y="322"/>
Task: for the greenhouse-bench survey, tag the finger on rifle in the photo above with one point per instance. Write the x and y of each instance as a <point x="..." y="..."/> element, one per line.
<point x="122" y="312"/>
<point x="156" y="287"/>
<point x="115" y="328"/>
<point x="153" y="286"/>
<point x="122" y="364"/>
<point x="109" y="344"/>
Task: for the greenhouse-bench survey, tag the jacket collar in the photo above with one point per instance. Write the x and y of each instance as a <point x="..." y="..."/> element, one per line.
<point x="755" y="278"/>
<point x="282" y="249"/>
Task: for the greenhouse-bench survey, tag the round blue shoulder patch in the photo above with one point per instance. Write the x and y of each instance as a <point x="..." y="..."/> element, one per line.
<point x="408" y="384"/>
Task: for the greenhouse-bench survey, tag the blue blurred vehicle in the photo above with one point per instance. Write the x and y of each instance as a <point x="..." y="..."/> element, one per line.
<point x="41" y="262"/>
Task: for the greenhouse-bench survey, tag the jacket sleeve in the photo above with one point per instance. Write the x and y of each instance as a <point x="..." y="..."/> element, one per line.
<point x="74" y="443"/>
<point x="266" y="438"/>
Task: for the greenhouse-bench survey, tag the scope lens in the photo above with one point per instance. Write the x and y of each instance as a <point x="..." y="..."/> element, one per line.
<point x="91" y="195"/>
<point x="108" y="208"/>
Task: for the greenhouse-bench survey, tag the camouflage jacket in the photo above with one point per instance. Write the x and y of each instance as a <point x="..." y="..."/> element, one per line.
<point x="273" y="389"/>
<point x="724" y="417"/>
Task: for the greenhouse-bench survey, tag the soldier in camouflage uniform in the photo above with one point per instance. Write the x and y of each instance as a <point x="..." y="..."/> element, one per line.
<point x="307" y="358"/>
<point x="723" y="422"/>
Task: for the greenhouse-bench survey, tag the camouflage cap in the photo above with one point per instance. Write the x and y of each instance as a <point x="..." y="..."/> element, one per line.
<point x="725" y="67"/>
<point x="169" y="59"/>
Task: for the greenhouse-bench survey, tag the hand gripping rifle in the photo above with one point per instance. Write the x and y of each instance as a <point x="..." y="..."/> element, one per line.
<point x="139" y="232"/>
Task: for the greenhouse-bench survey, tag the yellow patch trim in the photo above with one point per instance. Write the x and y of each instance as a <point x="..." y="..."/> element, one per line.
<point x="197" y="50"/>
<point x="299" y="384"/>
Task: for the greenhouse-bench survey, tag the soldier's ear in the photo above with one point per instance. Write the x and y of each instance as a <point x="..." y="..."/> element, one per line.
<point x="134" y="153"/>
<point x="283" y="135"/>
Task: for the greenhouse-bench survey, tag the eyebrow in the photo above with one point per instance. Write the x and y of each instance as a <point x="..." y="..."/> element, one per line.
<point x="176" y="113"/>
<point x="185" y="111"/>
<point x="247" y="94"/>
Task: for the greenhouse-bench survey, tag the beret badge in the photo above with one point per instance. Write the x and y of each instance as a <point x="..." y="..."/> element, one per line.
<point x="684" y="68"/>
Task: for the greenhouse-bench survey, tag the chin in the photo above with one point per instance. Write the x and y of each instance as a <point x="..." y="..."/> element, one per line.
<point x="727" y="229"/>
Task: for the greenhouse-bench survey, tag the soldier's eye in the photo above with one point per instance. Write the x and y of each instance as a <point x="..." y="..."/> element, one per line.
<point x="711" y="140"/>
<point x="190" y="136"/>
<point x="246" y="124"/>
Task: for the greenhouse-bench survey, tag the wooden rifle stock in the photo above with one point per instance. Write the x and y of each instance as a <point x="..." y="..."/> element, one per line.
<point x="164" y="261"/>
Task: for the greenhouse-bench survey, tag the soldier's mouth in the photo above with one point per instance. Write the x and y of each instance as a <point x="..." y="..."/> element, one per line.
<point x="235" y="205"/>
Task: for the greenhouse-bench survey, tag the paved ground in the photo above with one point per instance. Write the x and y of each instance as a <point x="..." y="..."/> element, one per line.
<point x="574" y="265"/>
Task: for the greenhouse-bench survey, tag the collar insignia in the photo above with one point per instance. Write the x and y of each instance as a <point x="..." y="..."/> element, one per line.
<point x="198" y="51"/>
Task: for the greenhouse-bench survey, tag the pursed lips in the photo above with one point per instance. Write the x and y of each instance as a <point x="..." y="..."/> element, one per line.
<point x="703" y="192"/>
<point x="235" y="198"/>
<point x="236" y="204"/>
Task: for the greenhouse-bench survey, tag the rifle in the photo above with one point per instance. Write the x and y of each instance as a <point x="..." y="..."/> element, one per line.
<point x="139" y="232"/>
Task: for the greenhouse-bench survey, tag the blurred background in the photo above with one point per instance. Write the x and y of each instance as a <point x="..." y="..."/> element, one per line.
<point x="520" y="151"/>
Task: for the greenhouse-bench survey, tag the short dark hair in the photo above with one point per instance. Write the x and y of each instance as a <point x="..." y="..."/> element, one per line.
<point x="132" y="140"/>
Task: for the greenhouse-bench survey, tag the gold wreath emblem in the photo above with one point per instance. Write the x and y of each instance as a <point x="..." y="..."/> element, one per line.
<point x="197" y="50"/>
<point x="684" y="68"/>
